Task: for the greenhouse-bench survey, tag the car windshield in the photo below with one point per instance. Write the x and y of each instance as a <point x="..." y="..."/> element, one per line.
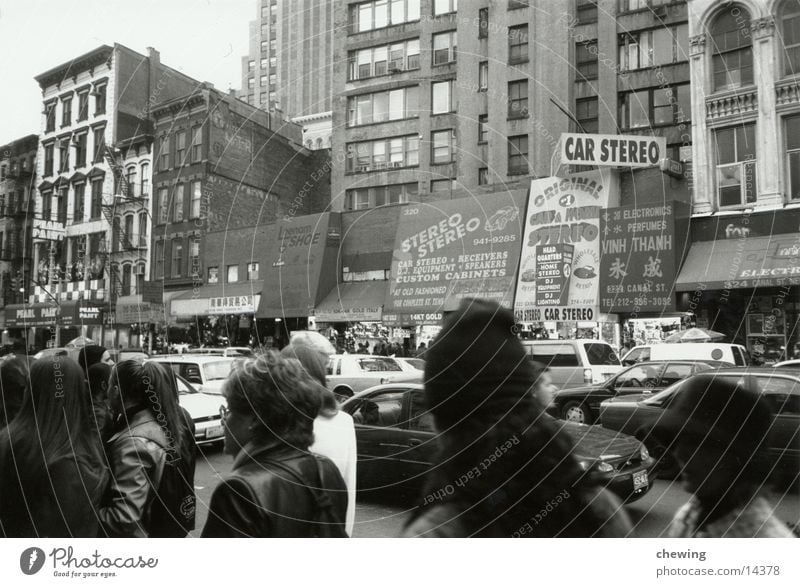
<point x="378" y="364"/>
<point x="416" y="363"/>
<point x="217" y="370"/>
<point x="663" y="396"/>
<point x="600" y="354"/>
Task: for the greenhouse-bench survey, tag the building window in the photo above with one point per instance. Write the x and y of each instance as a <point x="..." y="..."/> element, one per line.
<point x="586" y="11"/>
<point x="440" y="186"/>
<point x="377" y="14"/>
<point x="483" y="76"/>
<point x="177" y="204"/>
<point x="100" y="99"/>
<point x="792" y="131"/>
<point x="383" y="60"/>
<point x="176" y="264"/>
<point x="382" y="106"/>
<point x="163" y="205"/>
<point x="139" y="279"/>
<point x="83" y="105"/>
<point x="78" y="202"/>
<point x="586" y="114"/>
<point x="483" y="128"/>
<point x="252" y="271"/>
<point x="586" y="60"/>
<point x="180" y="147"/>
<point x="128" y="235"/>
<point x="383" y="154"/>
<point x="442" y="146"/>
<point x="444" y="6"/>
<point x="80" y="150"/>
<point x="63" y="155"/>
<point x="127" y="270"/>
<point x="50" y="113"/>
<point x="159" y="259"/>
<point x="49" y="150"/>
<point x="483" y="176"/>
<point x="518" y="155"/>
<point x="732" y="50"/>
<point x="195" y="269"/>
<point x="145" y="180"/>
<point x="483" y="23"/>
<point x="790" y="37"/>
<point x="143" y="229"/>
<point x="233" y="273"/>
<point x="518" y="99"/>
<point x="47" y="206"/>
<point x="442" y="99"/>
<point x="61" y="206"/>
<point x="660" y="46"/>
<point x="444" y="48"/>
<point x="736" y="165"/>
<point x="99" y="138"/>
<point x="655" y="107"/>
<point x="213" y="275"/>
<point x="197" y="144"/>
<point x="97" y="199"/>
<point x="197" y="194"/>
<point x="130" y="179"/>
<point x="66" y="111"/>
<point x="163" y="154"/>
<point x="514" y="4"/>
<point x="363" y="198"/>
<point x="518" y="44"/>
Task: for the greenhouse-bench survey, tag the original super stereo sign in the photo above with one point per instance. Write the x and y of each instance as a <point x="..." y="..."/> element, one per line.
<point x="612" y="150"/>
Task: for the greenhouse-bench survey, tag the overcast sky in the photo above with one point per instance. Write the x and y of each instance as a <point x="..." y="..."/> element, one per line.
<point x="204" y="39"/>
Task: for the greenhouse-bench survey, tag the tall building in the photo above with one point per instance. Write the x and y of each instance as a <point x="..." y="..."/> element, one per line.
<point x="745" y="59"/>
<point x="17" y="188"/>
<point x="93" y="106"/>
<point x="289" y="66"/>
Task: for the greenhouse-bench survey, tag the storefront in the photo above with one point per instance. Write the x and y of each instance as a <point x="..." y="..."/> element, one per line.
<point x="133" y="323"/>
<point x="218" y="314"/>
<point x="300" y="269"/>
<point x="73" y="319"/>
<point x="352" y="315"/>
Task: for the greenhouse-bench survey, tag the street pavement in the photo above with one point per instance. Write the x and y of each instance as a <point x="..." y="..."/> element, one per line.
<point x="650" y="515"/>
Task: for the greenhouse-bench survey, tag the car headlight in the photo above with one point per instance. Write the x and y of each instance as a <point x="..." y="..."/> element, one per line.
<point x="604" y="467"/>
<point x="645" y="454"/>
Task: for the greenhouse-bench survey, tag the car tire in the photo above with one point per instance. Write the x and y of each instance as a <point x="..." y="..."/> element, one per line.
<point x="342" y="393"/>
<point x="577" y="412"/>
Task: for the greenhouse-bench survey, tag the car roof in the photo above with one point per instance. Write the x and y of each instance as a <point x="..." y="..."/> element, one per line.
<point x="749" y="370"/>
<point x="714" y="362"/>
<point x="387" y="386"/>
<point x="189" y="358"/>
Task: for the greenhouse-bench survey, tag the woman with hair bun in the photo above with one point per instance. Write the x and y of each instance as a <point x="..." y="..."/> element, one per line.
<point x="277" y="487"/>
<point x="52" y="475"/>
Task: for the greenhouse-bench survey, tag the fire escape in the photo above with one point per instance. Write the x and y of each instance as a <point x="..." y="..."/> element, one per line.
<point x="19" y="210"/>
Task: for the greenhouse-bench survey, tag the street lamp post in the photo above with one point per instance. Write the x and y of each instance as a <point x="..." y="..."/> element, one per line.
<point x="52" y="285"/>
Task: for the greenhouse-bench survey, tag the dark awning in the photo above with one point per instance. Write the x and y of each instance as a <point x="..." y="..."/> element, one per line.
<point x="741" y="263"/>
<point x="353" y="302"/>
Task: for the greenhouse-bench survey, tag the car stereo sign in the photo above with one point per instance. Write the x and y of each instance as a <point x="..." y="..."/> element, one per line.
<point x="454" y="249"/>
<point x="612" y="150"/>
<point x="558" y="278"/>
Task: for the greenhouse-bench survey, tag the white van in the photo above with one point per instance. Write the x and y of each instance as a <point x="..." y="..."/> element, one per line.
<point x="574" y="363"/>
<point x="735" y="354"/>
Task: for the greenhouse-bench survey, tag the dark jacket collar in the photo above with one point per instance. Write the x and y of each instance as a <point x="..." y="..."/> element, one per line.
<point x="275" y="451"/>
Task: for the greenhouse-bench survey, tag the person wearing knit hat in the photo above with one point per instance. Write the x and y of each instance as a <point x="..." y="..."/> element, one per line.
<point x="479" y="388"/>
<point x="717" y="430"/>
<point x="91" y="354"/>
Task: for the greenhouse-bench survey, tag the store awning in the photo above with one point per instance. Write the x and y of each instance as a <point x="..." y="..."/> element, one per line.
<point x="741" y="263"/>
<point x="217" y="299"/>
<point x="353" y="302"/>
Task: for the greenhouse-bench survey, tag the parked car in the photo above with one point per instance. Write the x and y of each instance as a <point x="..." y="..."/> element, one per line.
<point x="575" y="363"/>
<point x="206" y="372"/>
<point x="790" y="364"/>
<point x="119" y="355"/>
<point x="734" y="354"/>
<point x="637" y="414"/>
<point x="582" y="404"/>
<point x="396" y="442"/>
<point x="229" y="351"/>
<point x="411" y="364"/>
<point x="349" y="374"/>
<point x="204" y="409"/>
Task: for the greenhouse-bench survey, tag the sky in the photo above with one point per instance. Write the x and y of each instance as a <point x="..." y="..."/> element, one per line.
<point x="204" y="39"/>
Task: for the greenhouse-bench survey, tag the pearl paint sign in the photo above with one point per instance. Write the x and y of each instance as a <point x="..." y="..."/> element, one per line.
<point x="563" y="218"/>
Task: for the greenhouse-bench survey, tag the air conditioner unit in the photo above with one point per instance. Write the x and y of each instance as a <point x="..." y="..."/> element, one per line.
<point x="140" y="270"/>
<point x="395" y="67"/>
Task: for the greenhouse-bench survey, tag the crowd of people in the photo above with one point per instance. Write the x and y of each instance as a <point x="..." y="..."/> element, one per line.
<point x="92" y="449"/>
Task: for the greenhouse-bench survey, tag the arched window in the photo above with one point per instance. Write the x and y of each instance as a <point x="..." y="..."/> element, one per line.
<point x="126" y="280"/>
<point x="143" y="229"/>
<point x="128" y="236"/>
<point x="789" y="17"/>
<point x="130" y="178"/>
<point x="145" y="191"/>
<point x="732" y="49"/>
<point x="319" y="143"/>
<point x="139" y="279"/>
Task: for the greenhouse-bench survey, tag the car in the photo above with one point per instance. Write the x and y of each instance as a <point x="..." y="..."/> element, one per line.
<point x="574" y="363"/>
<point x="582" y="404"/>
<point x="411" y="364"/>
<point x="349" y="374"/>
<point x="119" y="355"/>
<point x="230" y="351"/>
<point x="790" y="364"/>
<point x="206" y="372"/>
<point x="636" y="415"/>
<point x="204" y="409"/>
<point x="396" y="443"/>
<point x="735" y="354"/>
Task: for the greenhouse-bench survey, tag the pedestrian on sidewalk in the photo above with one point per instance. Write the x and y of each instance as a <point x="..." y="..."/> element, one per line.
<point x="334" y="431"/>
<point x="52" y="475"/>
<point x="14" y="375"/>
<point x="148" y="437"/>
<point x="98" y="380"/>
<point x="718" y="430"/>
<point x="277" y="487"/>
<point x="501" y="460"/>
<point x="92" y="354"/>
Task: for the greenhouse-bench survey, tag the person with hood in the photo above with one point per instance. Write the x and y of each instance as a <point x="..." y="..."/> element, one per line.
<point x="522" y="479"/>
<point x="334" y="430"/>
<point x="717" y="430"/>
<point x="91" y="354"/>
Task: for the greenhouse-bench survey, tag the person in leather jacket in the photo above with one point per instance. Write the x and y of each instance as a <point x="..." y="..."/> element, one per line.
<point x="273" y="488"/>
<point x="147" y="433"/>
